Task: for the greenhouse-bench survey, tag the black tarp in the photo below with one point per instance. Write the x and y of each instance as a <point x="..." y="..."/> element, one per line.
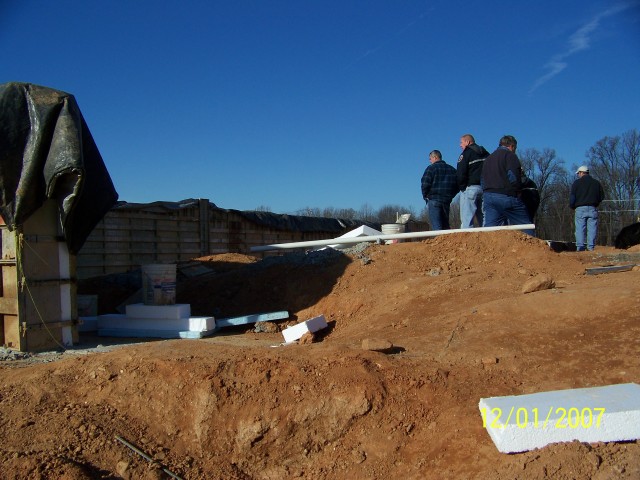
<point x="275" y="221"/>
<point x="299" y="223"/>
<point x="47" y="152"/>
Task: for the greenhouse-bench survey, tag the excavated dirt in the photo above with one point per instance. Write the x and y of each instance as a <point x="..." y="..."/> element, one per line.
<point x="237" y="405"/>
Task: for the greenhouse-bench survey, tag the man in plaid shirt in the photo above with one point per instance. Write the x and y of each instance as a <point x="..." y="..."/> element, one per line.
<point x="439" y="186"/>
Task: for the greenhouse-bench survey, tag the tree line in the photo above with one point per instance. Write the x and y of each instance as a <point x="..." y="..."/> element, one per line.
<point x="614" y="161"/>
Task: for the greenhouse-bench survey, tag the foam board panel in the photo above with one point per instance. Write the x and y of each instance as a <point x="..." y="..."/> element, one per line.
<point x="600" y="414"/>
<point x="124" y="322"/>
<point x="259" y="317"/>
<point x="140" y="310"/>
<point x="188" y="334"/>
<point x="146" y="333"/>
<point x="291" y="334"/>
<point x="362" y="231"/>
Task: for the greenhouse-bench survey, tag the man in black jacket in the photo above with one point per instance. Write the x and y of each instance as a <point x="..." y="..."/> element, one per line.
<point x="586" y="194"/>
<point x="502" y="187"/>
<point x="469" y="172"/>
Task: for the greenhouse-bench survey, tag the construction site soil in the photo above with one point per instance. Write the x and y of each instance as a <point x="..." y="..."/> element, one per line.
<point x="448" y="313"/>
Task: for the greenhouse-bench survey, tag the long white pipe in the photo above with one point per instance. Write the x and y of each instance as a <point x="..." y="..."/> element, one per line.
<point x="391" y="236"/>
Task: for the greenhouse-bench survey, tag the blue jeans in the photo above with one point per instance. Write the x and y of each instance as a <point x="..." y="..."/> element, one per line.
<point x="470" y="206"/>
<point x="438" y="214"/>
<point x="500" y="209"/>
<point x="586" y="220"/>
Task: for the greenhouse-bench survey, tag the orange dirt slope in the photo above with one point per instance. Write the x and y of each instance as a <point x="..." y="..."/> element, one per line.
<point x="232" y="406"/>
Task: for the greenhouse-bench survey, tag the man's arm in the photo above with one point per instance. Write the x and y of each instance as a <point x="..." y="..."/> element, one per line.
<point x="427" y="180"/>
<point x="513" y="172"/>
<point x="572" y="197"/>
<point x="462" y="171"/>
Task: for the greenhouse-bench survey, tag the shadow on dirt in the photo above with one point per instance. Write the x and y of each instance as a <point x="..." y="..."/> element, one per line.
<point x="291" y="282"/>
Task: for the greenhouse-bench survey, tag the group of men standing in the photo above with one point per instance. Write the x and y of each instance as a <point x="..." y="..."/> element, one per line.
<point x="494" y="191"/>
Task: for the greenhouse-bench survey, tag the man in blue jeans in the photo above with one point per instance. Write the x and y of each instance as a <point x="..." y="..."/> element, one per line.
<point x="439" y="186"/>
<point x="502" y="187"/>
<point x="586" y="194"/>
<point x="469" y="171"/>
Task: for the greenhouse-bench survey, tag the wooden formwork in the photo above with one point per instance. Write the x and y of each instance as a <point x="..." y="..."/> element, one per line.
<point x="133" y="235"/>
<point x="127" y="238"/>
<point x="38" y="298"/>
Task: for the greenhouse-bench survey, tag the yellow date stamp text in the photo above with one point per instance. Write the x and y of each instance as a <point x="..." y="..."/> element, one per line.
<point x="553" y="417"/>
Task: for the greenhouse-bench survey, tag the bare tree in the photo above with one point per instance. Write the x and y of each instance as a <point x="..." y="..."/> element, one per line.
<point x="329" y="212"/>
<point x="615" y="161"/>
<point x="346" y="213"/>
<point x="544" y="168"/>
<point x="555" y="222"/>
<point x="309" y="212"/>
<point x="366" y="213"/>
<point x="389" y="213"/>
<point x="552" y="179"/>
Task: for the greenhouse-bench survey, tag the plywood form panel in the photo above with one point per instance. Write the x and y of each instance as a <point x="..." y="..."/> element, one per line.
<point x="9" y="281"/>
<point x="39" y="260"/>
<point x="43" y="282"/>
<point x="11" y="331"/>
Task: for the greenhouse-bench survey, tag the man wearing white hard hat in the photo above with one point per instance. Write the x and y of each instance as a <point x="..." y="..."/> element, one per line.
<point x="586" y="195"/>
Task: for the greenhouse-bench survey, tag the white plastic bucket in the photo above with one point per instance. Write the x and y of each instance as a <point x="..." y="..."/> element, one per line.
<point x="159" y="284"/>
<point x="391" y="229"/>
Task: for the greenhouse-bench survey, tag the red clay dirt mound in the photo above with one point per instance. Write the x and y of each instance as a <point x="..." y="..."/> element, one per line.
<point x="231" y="406"/>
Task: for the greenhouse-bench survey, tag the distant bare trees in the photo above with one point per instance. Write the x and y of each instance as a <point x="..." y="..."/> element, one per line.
<point x="615" y="161"/>
<point x="389" y="213"/>
<point x="385" y="214"/>
<point x="553" y="181"/>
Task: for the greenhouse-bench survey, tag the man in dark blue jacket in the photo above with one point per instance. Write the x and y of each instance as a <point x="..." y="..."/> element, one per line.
<point x="439" y="186"/>
<point x="502" y="187"/>
<point x="586" y="194"/>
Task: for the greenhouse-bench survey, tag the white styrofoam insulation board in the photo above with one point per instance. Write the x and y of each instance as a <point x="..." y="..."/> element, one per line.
<point x="291" y="334"/>
<point x="140" y="310"/>
<point x="362" y="231"/>
<point x="600" y="414"/>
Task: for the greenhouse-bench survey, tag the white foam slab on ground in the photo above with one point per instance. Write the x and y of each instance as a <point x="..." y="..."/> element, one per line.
<point x="124" y="322"/>
<point x="140" y="310"/>
<point x="601" y="414"/>
<point x="291" y="334"/>
<point x="146" y="333"/>
<point x="255" y="318"/>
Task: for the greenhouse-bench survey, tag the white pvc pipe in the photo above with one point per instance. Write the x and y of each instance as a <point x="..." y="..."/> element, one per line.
<point x="391" y="236"/>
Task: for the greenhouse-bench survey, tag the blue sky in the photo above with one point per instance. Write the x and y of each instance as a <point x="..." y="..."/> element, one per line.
<point x="326" y="103"/>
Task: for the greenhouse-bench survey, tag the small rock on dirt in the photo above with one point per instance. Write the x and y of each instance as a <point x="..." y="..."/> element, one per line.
<point x="307" y="338"/>
<point x="489" y="360"/>
<point x="377" y="345"/>
<point x="122" y="468"/>
<point x="539" y="282"/>
<point x="266" y="327"/>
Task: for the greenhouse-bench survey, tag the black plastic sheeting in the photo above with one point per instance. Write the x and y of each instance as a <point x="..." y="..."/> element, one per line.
<point x="47" y="152"/>
<point x="299" y="223"/>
